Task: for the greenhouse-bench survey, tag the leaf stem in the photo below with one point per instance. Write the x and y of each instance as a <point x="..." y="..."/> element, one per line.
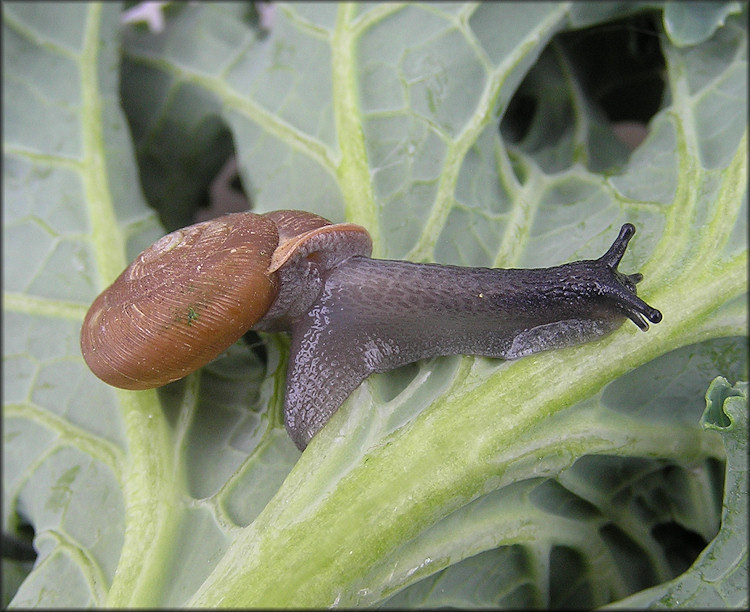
<point x="353" y="170"/>
<point x="109" y="246"/>
<point x="148" y="476"/>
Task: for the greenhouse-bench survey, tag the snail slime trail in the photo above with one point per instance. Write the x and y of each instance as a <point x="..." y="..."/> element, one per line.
<point x="196" y="291"/>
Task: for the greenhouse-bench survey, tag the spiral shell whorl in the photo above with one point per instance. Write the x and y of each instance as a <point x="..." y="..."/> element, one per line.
<point x="182" y="301"/>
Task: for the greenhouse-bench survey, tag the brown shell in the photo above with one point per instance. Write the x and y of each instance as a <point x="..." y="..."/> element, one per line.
<point x="182" y="302"/>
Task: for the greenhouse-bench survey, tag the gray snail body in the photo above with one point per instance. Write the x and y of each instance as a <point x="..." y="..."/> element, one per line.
<point x="350" y="315"/>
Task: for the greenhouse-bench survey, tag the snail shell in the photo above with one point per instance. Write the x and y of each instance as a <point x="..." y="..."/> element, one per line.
<point x="196" y="291"/>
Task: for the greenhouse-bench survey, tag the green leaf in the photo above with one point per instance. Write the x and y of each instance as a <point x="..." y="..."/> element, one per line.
<point x="690" y="23"/>
<point x="570" y="478"/>
<point x="718" y="578"/>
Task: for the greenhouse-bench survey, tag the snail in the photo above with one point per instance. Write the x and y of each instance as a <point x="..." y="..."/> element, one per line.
<point x="197" y="290"/>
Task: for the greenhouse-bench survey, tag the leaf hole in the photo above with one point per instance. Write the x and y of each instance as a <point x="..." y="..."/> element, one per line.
<point x="598" y="87"/>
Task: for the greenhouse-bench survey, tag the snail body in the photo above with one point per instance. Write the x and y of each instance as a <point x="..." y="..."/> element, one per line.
<point x="348" y="315"/>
